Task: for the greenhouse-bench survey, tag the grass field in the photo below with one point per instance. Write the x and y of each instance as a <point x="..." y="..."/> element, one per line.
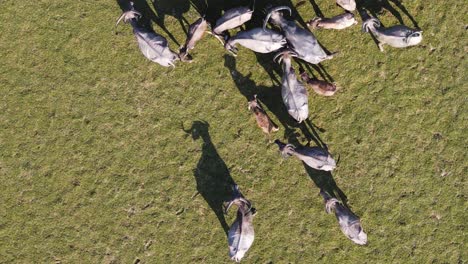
<point x="106" y="157"/>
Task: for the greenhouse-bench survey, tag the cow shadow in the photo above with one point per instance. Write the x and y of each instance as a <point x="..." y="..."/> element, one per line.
<point x="212" y="176"/>
<point x="376" y="7"/>
<point x="272" y="68"/>
<point x="317" y="10"/>
<point x="174" y="8"/>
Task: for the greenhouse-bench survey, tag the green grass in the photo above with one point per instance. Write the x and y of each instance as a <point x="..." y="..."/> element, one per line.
<point x="95" y="165"/>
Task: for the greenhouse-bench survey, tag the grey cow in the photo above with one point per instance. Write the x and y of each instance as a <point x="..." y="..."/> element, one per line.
<point x="152" y="45"/>
<point x="258" y="40"/>
<point x="302" y="42"/>
<point x="314" y="157"/>
<point x="399" y="36"/>
<point x="241" y="234"/>
<point x="293" y="92"/>
<point x="231" y="19"/>
<point x="350" y="224"/>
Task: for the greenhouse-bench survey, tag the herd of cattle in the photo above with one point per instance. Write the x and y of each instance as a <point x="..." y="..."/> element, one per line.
<point x="289" y="41"/>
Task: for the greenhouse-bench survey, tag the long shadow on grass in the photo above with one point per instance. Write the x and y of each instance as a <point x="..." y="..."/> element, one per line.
<point x="213" y="179"/>
<point x="174" y="8"/>
<point x="378" y="7"/>
<point x="316" y="8"/>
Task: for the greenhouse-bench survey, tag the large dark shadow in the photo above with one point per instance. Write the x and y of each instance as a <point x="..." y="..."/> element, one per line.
<point x="376" y="7"/>
<point x="272" y="68"/>
<point x="214" y="182"/>
<point x="174" y="8"/>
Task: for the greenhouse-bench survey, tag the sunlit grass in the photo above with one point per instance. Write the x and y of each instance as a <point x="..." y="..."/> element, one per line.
<point x="97" y="165"/>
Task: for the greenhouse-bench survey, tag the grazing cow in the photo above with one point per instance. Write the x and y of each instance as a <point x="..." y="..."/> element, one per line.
<point x="293" y="92"/>
<point x="399" y="36"/>
<point x="350" y="224"/>
<point x="152" y="45"/>
<point x="302" y="42"/>
<point x="314" y="157"/>
<point x="241" y="234"/>
<point x="257" y="39"/>
<point x="232" y="18"/>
